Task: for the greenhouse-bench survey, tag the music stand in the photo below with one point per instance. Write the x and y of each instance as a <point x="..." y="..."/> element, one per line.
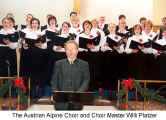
<point x="79" y="98"/>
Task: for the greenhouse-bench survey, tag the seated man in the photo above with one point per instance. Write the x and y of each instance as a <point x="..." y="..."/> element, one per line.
<point x="70" y="74"/>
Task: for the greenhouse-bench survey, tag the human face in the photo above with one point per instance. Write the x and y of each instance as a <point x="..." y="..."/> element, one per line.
<point x="72" y="17"/>
<point x="164" y="21"/>
<point x="122" y="24"/>
<point x="52" y="22"/>
<point x="11" y="24"/>
<point x="148" y="28"/>
<point x="123" y="19"/>
<point x="143" y="22"/>
<point x="112" y="28"/>
<point x="75" y="23"/>
<point x="65" y="28"/>
<point x="71" y="51"/>
<point x="94" y="24"/>
<point x="28" y="22"/>
<point x="102" y="20"/>
<point x="29" y="16"/>
<point x="35" y="25"/>
<point x="5" y="24"/>
<point x="164" y="34"/>
<point x="137" y="31"/>
<point x="87" y="27"/>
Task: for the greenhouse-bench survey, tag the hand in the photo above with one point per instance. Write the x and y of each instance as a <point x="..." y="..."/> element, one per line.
<point x="25" y="45"/>
<point x="125" y="40"/>
<point x="22" y="40"/>
<point x="141" y="48"/>
<point x="6" y="41"/>
<point x="105" y="44"/>
<point x="39" y="44"/>
<point x="134" y="51"/>
<point x="160" y="51"/>
<point x="59" y="48"/>
<point x="116" y="47"/>
<point x="90" y="46"/>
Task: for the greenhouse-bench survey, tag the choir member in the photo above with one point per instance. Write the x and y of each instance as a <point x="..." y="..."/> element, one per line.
<point x="64" y="35"/>
<point x="159" y="49"/>
<point x="73" y="15"/>
<point x="112" y="38"/>
<point x="46" y="26"/>
<point x="136" y="43"/>
<point x="122" y="20"/>
<point x="34" y="56"/>
<point x="28" y="19"/>
<point x="8" y="45"/>
<point x="102" y="25"/>
<point x="88" y="38"/>
<point x="162" y="42"/>
<point x="147" y="32"/>
<point x="12" y="24"/>
<point x="123" y="31"/>
<point x="52" y="29"/>
<point x="12" y="20"/>
<point x="76" y="28"/>
<point x="142" y="22"/>
<point x="95" y="30"/>
<point x="161" y="29"/>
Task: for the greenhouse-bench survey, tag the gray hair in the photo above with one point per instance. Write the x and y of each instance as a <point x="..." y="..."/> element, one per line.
<point x="71" y="42"/>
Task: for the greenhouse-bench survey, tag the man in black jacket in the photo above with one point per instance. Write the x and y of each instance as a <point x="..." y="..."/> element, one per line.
<point x="70" y="74"/>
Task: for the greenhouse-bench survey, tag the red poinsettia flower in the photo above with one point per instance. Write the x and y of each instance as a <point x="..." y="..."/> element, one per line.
<point x="38" y="36"/>
<point x="128" y="83"/>
<point x="116" y="37"/>
<point x="91" y="36"/>
<point x="98" y="33"/>
<point x="150" y="35"/>
<point x="123" y="106"/>
<point x="18" y="82"/>
<point x="78" y="30"/>
<point x="21" y="107"/>
<point x="140" y="40"/>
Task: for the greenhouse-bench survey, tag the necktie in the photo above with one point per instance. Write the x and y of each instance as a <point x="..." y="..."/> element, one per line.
<point x="100" y="27"/>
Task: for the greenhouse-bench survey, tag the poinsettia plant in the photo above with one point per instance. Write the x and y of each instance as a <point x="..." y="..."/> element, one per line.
<point x="19" y="84"/>
<point x="131" y="84"/>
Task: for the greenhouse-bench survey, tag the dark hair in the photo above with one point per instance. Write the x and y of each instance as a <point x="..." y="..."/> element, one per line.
<point x="67" y="23"/>
<point x="86" y="21"/>
<point x="141" y="19"/>
<point x="52" y="18"/>
<point x="11" y="19"/>
<point x="33" y="19"/>
<point x="135" y="26"/>
<point x="73" y="13"/>
<point x="122" y="16"/>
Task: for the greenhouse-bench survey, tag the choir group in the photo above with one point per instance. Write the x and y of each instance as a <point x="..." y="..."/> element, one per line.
<point x="41" y="46"/>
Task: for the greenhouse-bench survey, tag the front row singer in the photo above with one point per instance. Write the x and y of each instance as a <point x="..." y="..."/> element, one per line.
<point x="70" y="74"/>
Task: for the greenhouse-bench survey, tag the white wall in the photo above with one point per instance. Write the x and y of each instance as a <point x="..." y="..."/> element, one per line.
<point x="159" y="11"/>
<point x="133" y="9"/>
<point x="39" y="8"/>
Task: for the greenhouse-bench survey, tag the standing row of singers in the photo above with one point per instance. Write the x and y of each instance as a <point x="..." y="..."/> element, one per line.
<point x="91" y="35"/>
